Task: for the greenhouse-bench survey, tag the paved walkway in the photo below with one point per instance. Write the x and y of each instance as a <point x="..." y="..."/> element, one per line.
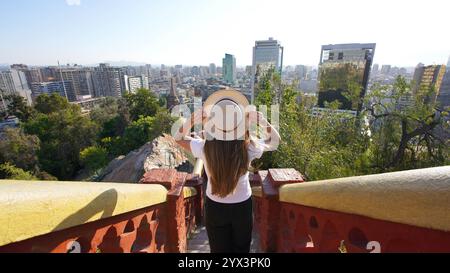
<point x="198" y="242"/>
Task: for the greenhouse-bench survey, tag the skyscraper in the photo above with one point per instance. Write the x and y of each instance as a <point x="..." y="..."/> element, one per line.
<point x="229" y="69"/>
<point x="212" y="69"/>
<point x="266" y="54"/>
<point x="13" y="82"/>
<point x="427" y="82"/>
<point x="443" y="99"/>
<point x="301" y="71"/>
<point x="344" y="72"/>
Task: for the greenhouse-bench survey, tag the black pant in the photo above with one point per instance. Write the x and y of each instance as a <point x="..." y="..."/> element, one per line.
<point x="229" y="226"/>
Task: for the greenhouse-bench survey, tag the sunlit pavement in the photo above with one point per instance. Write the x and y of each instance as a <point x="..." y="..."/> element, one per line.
<point x="199" y="242"/>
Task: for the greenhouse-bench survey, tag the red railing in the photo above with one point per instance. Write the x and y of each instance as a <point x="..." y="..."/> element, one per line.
<point x="289" y="226"/>
<point x="184" y="213"/>
<point x="140" y="231"/>
<point x="406" y="212"/>
<point x="159" y="228"/>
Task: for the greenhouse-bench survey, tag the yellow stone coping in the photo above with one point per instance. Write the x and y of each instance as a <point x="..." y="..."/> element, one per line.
<point x="189" y="192"/>
<point x="33" y="208"/>
<point x="257" y="191"/>
<point x="417" y="197"/>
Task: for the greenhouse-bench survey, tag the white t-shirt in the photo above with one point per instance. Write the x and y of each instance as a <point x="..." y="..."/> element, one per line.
<point x="243" y="190"/>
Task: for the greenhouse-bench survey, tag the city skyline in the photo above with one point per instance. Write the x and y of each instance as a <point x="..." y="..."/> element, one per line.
<point x="199" y="32"/>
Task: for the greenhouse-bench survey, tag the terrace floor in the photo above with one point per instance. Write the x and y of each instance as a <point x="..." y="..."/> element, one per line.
<point x="198" y="243"/>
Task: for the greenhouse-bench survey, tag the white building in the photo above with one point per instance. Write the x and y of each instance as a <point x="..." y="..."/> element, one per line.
<point x="134" y="83"/>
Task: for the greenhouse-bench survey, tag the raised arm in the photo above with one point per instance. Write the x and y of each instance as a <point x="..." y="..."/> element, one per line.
<point x="273" y="136"/>
<point x="183" y="136"/>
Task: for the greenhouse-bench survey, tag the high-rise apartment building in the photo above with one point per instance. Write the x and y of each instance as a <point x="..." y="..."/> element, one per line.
<point x="13" y="81"/>
<point x="48" y="73"/>
<point x="344" y="71"/>
<point x="32" y="74"/>
<point x="229" y="69"/>
<point x="58" y="87"/>
<point x="108" y="81"/>
<point x="81" y="79"/>
<point x="266" y="54"/>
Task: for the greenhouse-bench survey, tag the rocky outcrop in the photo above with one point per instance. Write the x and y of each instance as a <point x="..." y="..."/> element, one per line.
<point x="162" y="152"/>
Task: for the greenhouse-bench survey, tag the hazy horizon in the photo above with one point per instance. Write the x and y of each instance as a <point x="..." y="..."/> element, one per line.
<point x="200" y="32"/>
<point x="132" y="63"/>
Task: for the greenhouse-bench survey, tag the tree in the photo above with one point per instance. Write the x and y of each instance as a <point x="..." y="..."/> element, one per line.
<point x="163" y="123"/>
<point x="47" y="104"/>
<point x="112" y="116"/>
<point x="63" y="132"/>
<point x="19" y="149"/>
<point x="138" y="133"/>
<point x="11" y="172"/>
<point x="327" y="146"/>
<point x="18" y="107"/>
<point x="404" y="135"/>
<point x="107" y="110"/>
<point x="142" y="103"/>
<point x="162" y="101"/>
<point x="146" y="129"/>
<point x="94" y="158"/>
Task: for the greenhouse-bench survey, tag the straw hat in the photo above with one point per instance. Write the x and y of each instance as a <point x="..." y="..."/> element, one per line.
<point x="226" y="113"/>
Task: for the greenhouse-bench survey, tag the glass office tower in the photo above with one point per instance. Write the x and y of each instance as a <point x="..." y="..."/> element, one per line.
<point x="344" y="72"/>
<point x="229" y="69"/>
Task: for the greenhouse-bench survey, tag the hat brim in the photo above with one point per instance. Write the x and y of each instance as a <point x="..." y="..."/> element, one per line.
<point x="229" y="94"/>
<point x="226" y="94"/>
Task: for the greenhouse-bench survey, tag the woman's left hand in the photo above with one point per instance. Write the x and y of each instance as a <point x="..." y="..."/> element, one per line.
<point x="255" y="117"/>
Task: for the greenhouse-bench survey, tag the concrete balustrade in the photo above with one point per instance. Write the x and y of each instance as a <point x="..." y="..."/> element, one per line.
<point x="393" y="212"/>
<point x="39" y="216"/>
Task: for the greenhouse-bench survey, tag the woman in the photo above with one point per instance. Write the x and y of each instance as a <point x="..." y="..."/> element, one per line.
<point x="228" y="204"/>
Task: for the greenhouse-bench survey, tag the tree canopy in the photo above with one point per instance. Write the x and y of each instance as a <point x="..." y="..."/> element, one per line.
<point x="63" y="134"/>
<point x="332" y="144"/>
<point x="142" y="103"/>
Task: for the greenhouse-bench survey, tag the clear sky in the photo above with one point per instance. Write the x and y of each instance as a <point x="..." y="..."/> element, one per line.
<point x="199" y="32"/>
